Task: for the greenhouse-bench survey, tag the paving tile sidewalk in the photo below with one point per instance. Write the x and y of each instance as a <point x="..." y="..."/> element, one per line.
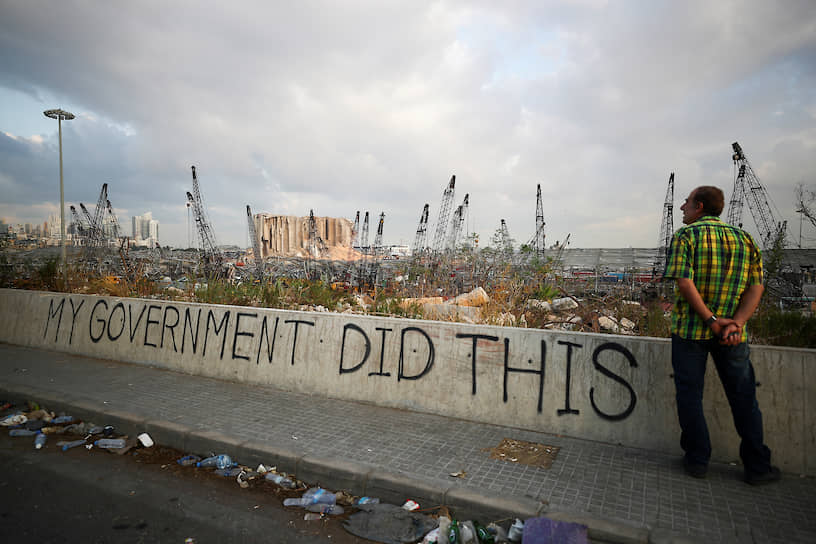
<point x="587" y="480"/>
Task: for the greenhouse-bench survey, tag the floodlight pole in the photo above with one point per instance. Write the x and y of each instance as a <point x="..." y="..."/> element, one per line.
<point x="59" y="115"/>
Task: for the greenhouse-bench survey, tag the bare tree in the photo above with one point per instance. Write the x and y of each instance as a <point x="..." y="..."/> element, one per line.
<point x="806" y="203"/>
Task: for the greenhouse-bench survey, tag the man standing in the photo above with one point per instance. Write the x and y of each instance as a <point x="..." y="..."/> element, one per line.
<point x="718" y="269"/>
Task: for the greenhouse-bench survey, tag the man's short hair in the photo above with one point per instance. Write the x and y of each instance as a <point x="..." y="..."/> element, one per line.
<point x="712" y="199"/>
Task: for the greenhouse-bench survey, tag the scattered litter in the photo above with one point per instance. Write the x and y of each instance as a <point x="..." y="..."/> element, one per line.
<point x="145" y="440"/>
<point x="22" y="432"/>
<point x="526" y="453"/>
<point x="228" y="472"/>
<point x="326" y="509"/>
<point x="314" y="495"/>
<point x="111" y="443"/>
<point x="262" y="469"/>
<point x="62" y="419"/>
<point x="389" y="524"/>
<point x="218" y="461"/>
<point x="366" y="500"/>
<point x="460" y="474"/>
<point x="311" y="516"/>
<point x="411" y="505"/>
<point x="547" y="530"/>
<point x="242" y="480"/>
<point x="516" y="531"/>
<point x="68" y="445"/>
<point x="280" y="479"/>
<point x="189" y="460"/>
<point x="39" y="440"/>
<point x="14" y="419"/>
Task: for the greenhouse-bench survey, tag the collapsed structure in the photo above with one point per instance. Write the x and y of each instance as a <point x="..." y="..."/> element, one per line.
<point x="287" y="235"/>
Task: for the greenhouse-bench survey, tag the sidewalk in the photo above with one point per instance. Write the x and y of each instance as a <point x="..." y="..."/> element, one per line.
<point x="622" y="494"/>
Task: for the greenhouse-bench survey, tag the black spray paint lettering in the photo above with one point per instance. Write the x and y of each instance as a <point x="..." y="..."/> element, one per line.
<point x="353" y="327"/>
<point x="53" y="313"/>
<point x="540" y="372"/>
<point x="475" y="338"/>
<point x="567" y="409"/>
<point x="294" y="339"/>
<point x="172" y="326"/>
<point x="188" y="325"/>
<point x="382" y="354"/>
<point x="265" y="336"/>
<point x="133" y="329"/>
<point x="149" y="322"/>
<point x="608" y="373"/>
<point x="74" y="313"/>
<point x="121" y="307"/>
<point x="103" y="322"/>
<point x="217" y="328"/>
<point x="428" y="365"/>
<point x="239" y="332"/>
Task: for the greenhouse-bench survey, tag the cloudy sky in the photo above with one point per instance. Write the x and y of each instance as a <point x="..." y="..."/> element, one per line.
<point x="373" y="105"/>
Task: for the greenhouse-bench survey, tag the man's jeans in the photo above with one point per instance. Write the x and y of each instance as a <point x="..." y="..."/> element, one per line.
<point x="737" y="377"/>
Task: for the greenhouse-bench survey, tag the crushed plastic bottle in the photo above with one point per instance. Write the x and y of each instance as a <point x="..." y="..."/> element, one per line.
<point x="326" y="509"/>
<point x="39" y="440"/>
<point x="280" y="479"/>
<point x="217" y="461"/>
<point x="229" y="472"/>
<point x="111" y="443"/>
<point x="311" y="516"/>
<point x="189" y="460"/>
<point x="13" y="419"/>
<point x="313" y="496"/>
<point x="74" y="443"/>
<point x="62" y="419"/>
<point x="366" y="500"/>
<point x="22" y="432"/>
<point x="516" y="531"/>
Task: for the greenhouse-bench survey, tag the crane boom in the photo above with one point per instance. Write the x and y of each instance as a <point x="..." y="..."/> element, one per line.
<point x="666" y="229"/>
<point x="421" y="233"/>
<point x="256" y="244"/>
<point x="213" y="260"/>
<point x="444" y="214"/>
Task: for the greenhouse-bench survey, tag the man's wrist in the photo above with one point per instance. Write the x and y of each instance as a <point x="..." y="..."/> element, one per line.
<point x="710" y="321"/>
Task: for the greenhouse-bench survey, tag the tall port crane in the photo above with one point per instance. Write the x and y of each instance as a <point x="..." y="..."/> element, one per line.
<point x="256" y="245"/>
<point x="355" y="231"/>
<point x="364" y="236"/>
<point x="504" y="235"/>
<point x="80" y="225"/>
<point x="457" y="223"/>
<point x="539" y="237"/>
<point x="444" y="215"/>
<point x="212" y="258"/>
<point x="666" y="230"/>
<point x="421" y="234"/>
<point x="748" y="187"/>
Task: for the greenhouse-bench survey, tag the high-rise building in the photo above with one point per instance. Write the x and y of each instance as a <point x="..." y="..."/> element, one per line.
<point x="145" y="230"/>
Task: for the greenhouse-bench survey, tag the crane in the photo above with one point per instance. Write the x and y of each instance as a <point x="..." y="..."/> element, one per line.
<point x="81" y="226"/>
<point x="421" y="233"/>
<point x="355" y="231"/>
<point x="457" y="223"/>
<point x="444" y="214"/>
<point x="666" y="230"/>
<point x="539" y="237"/>
<point x="364" y="236"/>
<point x="256" y="245"/>
<point x="748" y="187"/>
<point x="212" y="257"/>
<point x="504" y="233"/>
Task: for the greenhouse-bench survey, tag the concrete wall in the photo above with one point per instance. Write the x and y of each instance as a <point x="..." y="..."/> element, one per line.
<point x="609" y="388"/>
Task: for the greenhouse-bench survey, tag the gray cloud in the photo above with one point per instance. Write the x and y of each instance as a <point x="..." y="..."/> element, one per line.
<point x="373" y="107"/>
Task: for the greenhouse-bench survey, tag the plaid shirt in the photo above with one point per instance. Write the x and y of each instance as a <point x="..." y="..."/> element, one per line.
<point x="722" y="261"/>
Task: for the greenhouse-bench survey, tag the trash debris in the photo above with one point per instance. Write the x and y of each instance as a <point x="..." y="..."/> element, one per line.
<point x="145" y="440"/>
<point x="22" y="432"/>
<point x="483" y="534"/>
<point x="68" y="445"/>
<point x="313" y="495"/>
<point x="366" y="500"/>
<point x="311" y="516"/>
<point x="516" y="531"/>
<point x="62" y="419"/>
<point x="39" y="440"/>
<point x="110" y="443"/>
<point x="53" y="430"/>
<point x="263" y="469"/>
<point x="460" y="474"/>
<point x="499" y="532"/>
<point x="241" y="478"/>
<point x="411" y="505"/>
<point x="280" y="479"/>
<point x="389" y="524"/>
<point x="108" y="430"/>
<point x="228" y="472"/>
<point x="34" y="424"/>
<point x="218" y="461"/>
<point x="453" y="532"/>
<point x="526" y="453"/>
<point x="432" y="537"/>
<point x="189" y="460"/>
<point x="326" y="509"/>
<point x="38" y="413"/>
<point x="13" y="420"/>
<point x="547" y="530"/>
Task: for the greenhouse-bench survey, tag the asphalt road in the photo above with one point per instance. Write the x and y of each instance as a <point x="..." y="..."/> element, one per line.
<point x="93" y="496"/>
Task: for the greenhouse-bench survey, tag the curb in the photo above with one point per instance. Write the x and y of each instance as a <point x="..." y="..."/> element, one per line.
<point x="333" y="473"/>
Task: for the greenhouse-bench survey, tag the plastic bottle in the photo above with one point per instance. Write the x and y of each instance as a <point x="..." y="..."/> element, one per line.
<point x="453" y="533"/>
<point x="444" y="528"/>
<point x="68" y="445"/>
<point x="39" y="440"/>
<point x="467" y="532"/>
<point x="482" y="534"/>
<point x="62" y="419"/>
<point x="229" y="472"/>
<point x="280" y="479"/>
<point x="330" y="509"/>
<point x="313" y="496"/>
<point x="189" y="460"/>
<point x="110" y="443"/>
<point x="22" y="432"/>
<point x="217" y="461"/>
<point x="516" y="531"/>
<point x="367" y="500"/>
